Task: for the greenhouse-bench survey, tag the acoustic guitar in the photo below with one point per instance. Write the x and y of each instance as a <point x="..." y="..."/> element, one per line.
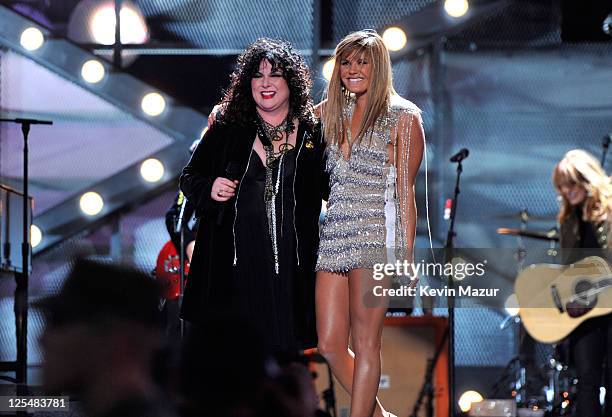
<point x="555" y="299"/>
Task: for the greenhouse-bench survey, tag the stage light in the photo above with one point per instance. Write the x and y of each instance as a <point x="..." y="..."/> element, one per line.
<point x="92" y="71"/>
<point x="35" y="235"/>
<point x="456" y="8"/>
<point x="102" y="25"/>
<point x="91" y="203"/>
<point x="328" y="68"/>
<point x="153" y="104"/>
<point x="607" y="25"/>
<point x="152" y="170"/>
<point x="32" y="39"/>
<point x="467" y="398"/>
<point x="394" y="38"/>
<point x="133" y="26"/>
<point x="512" y="306"/>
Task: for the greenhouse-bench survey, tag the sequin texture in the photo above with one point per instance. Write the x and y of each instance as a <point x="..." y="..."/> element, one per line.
<point x="354" y="234"/>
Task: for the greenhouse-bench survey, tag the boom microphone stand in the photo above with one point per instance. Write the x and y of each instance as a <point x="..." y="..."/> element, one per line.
<point x="448" y="250"/>
<point x="22" y="279"/>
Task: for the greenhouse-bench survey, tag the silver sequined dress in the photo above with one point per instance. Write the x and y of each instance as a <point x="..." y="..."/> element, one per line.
<point x="363" y="225"/>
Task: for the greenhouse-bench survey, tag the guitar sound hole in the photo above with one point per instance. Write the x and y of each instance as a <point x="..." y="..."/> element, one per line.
<point x="583" y="301"/>
<point x="582" y="290"/>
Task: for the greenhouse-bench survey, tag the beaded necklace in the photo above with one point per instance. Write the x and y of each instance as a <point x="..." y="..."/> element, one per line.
<point x="268" y="134"/>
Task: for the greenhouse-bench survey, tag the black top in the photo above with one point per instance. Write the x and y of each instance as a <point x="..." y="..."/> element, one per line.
<point x="588" y="237"/>
<point x="255" y="277"/>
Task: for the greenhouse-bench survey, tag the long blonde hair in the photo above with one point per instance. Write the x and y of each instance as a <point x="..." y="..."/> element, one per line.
<point x="379" y="93"/>
<point x="581" y="168"/>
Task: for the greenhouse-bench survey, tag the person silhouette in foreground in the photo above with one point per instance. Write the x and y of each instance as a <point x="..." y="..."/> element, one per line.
<point x="101" y="336"/>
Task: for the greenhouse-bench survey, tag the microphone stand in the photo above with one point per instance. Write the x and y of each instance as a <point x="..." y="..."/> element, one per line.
<point x="22" y="280"/>
<point x="448" y="250"/>
<point x="181" y="249"/>
<point x="427" y="389"/>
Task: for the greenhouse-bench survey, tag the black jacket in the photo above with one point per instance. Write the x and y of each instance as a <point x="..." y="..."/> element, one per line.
<point x="570" y="233"/>
<point x="229" y="147"/>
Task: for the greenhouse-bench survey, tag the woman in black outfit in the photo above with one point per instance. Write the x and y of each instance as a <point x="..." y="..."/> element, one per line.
<point x="257" y="179"/>
<point x="585" y="215"/>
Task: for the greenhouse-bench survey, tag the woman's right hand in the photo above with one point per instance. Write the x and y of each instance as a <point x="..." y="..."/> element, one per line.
<point x="223" y="189"/>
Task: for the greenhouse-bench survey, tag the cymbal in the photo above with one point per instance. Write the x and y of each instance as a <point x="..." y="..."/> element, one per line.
<point x="524" y="215"/>
<point x="552" y="234"/>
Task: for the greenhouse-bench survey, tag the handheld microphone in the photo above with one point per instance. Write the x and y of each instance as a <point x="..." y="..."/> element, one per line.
<point x="460" y="156"/>
<point x="605" y="142"/>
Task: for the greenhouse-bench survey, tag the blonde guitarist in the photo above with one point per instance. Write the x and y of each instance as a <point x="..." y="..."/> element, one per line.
<point x="584" y="218"/>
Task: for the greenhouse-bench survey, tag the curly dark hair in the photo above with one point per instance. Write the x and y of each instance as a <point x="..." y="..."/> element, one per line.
<point x="239" y="106"/>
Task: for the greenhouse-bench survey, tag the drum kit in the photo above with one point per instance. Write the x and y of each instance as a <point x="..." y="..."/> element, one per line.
<point x="539" y="387"/>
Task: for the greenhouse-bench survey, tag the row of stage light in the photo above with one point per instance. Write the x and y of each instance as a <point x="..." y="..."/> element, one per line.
<point x="102" y="29"/>
<point x="91" y="203"/>
<point x="93" y="72"/>
<point x="152" y="104"/>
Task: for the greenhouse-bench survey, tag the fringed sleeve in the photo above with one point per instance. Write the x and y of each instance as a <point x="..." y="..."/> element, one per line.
<point x="409" y="145"/>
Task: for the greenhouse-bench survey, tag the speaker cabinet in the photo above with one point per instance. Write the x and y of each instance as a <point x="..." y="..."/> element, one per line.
<point x="408" y="343"/>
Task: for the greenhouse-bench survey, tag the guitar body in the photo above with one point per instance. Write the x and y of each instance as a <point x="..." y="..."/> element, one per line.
<point x="167" y="271"/>
<point x="555" y="299"/>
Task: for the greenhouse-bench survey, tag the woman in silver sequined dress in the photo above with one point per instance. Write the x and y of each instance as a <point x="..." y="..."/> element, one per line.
<point x="375" y="145"/>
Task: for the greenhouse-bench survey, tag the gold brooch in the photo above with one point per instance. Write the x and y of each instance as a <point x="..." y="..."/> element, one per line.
<point x="309" y="144"/>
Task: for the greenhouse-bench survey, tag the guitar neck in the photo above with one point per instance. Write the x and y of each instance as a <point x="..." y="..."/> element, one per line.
<point x="602" y="284"/>
<point x="598" y="287"/>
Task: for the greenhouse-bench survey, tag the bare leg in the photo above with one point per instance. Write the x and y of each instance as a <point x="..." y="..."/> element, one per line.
<point x="367" y="314"/>
<point x="333" y="324"/>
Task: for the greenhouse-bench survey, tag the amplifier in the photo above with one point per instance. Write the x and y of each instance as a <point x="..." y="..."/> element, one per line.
<point x="407" y="344"/>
